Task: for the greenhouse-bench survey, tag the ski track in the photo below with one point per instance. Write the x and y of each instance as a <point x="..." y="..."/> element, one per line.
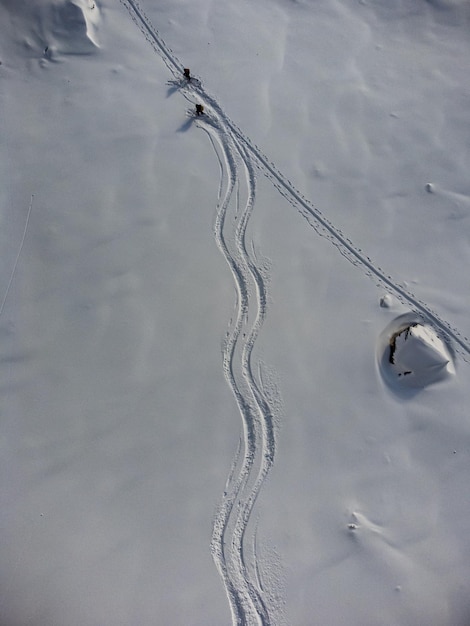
<point x="20" y="249"/>
<point x="238" y="159"/>
<point x="231" y="521"/>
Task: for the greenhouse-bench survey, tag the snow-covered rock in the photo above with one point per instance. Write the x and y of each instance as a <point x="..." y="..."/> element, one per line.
<point x="415" y="356"/>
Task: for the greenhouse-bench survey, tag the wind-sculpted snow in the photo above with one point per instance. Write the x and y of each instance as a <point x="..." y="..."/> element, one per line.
<point x="239" y="158"/>
<point x="47" y="29"/>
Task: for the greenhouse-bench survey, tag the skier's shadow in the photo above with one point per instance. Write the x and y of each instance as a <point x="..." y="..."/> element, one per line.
<point x="186" y="125"/>
<point x="174" y="86"/>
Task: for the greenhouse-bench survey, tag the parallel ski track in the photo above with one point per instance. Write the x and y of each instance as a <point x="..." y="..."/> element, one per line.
<point x="234" y="512"/>
<point x="238" y="158"/>
<point x="256" y="453"/>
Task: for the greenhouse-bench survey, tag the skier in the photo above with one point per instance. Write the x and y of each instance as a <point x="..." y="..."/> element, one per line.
<point x="187" y="73"/>
<point x="199" y="109"/>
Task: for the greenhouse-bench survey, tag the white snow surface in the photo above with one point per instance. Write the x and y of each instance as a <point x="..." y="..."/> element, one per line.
<point x="195" y="425"/>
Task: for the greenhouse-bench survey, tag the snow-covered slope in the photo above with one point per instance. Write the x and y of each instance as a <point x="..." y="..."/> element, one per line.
<point x="198" y="424"/>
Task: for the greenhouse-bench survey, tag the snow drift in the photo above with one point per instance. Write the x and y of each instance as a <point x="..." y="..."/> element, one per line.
<point x="45" y="29"/>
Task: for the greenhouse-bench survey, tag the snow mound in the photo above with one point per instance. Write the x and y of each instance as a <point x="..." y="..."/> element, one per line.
<point x="412" y="355"/>
<point x="87" y="14"/>
<point x="47" y="28"/>
<point x="387" y="301"/>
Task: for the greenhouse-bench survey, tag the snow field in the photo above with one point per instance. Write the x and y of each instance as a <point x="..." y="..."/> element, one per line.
<point x="148" y="255"/>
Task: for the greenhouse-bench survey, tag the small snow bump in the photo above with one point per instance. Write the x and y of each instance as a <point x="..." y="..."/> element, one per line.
<point x="386" y="301"/>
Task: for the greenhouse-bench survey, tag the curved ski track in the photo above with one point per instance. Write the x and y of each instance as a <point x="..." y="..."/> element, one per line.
<point x="252" y="464"/>
<point x="238" y="158"/>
